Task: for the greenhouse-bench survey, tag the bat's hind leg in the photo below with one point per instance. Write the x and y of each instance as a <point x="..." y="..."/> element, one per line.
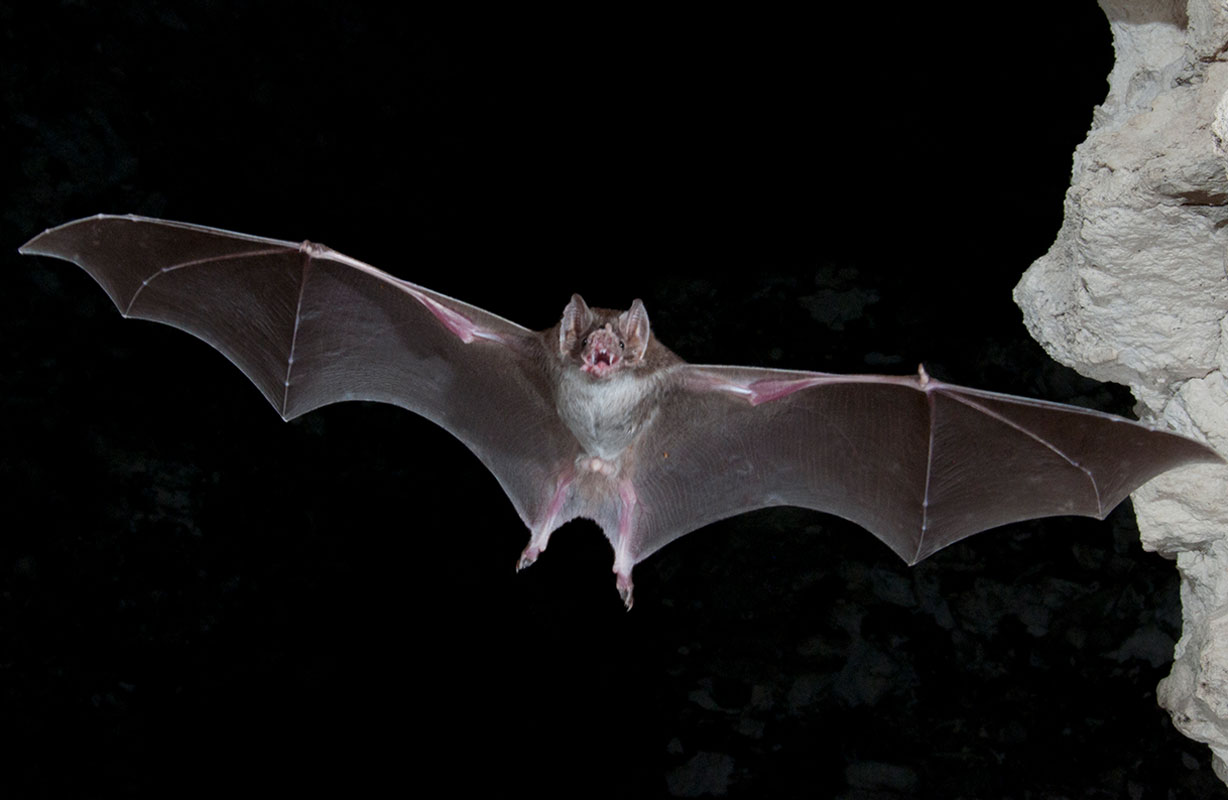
<point x="622" y="582"/>
<point x="532" y="551"/>
<point x="548" y="524"/>
<point x="624" y="561"/>
<point x="538" y="540"/>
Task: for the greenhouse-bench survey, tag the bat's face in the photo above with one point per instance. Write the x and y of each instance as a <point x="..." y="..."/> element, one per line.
<point x="603" y="343"/>
<point x="601" y="352"/>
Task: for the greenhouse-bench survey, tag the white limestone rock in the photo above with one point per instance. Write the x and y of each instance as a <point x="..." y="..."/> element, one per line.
<point x="1134" y="291"/>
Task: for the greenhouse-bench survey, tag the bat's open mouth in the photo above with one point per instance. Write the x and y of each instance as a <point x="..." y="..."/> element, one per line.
<point x="601" y="353"/>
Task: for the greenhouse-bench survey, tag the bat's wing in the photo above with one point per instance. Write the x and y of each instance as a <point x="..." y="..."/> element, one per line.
<point x="310" y="327"/>
<point x="917" y="462"/>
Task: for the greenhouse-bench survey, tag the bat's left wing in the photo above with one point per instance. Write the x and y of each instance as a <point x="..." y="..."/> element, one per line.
<point x="919" y="463"/>
<point x="310" y="326"/>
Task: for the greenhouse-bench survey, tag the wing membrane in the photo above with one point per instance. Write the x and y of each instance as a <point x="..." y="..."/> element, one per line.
<point x="311" y="327"/>
<point x="919" y="463"/>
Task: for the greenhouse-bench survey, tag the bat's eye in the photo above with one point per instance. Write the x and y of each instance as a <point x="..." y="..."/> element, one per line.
<point x="584" y="342"/>
<point x="620" y="344"/>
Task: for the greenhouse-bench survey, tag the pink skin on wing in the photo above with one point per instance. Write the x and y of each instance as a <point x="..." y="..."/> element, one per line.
<point x="460" y="325"/>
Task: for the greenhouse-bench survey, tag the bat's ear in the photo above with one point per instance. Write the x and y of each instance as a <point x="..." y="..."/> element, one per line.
<point x="633" y="325"/>
<point x="577" y="319"/>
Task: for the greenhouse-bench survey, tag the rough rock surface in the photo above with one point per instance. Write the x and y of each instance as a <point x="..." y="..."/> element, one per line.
<point x="1134" y="290"/>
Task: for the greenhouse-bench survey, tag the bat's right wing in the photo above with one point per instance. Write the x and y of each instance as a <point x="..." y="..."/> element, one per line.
<point x="310" y="327"/>
<point x="919" y="463"/>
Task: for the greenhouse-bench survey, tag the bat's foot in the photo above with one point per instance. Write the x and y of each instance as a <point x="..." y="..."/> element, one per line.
<point x="527" y="558"/>
<point x="624" y="586"/>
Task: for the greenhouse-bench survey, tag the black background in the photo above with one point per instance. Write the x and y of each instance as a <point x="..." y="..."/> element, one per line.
<point x="197" y="597"/>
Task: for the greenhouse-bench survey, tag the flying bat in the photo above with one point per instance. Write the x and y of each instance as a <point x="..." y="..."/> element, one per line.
<point x="595" y="418"/>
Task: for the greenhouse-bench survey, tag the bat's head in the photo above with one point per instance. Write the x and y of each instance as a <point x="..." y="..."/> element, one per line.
<point x="603" y="342"/>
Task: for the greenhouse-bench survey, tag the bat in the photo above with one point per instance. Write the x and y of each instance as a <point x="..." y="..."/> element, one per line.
<point x="595" y="418"/>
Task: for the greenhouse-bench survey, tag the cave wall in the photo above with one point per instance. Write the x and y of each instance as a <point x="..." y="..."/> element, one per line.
<point x="1134" y="290"/>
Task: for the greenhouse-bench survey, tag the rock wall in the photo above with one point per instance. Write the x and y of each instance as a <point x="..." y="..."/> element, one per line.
<point x="1134" y="290"/>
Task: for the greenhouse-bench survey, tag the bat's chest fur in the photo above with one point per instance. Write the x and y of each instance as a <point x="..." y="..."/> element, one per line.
<point x="604" y="415"/>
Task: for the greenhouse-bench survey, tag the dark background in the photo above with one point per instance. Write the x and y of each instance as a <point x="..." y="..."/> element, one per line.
<point x="197" y="597"/>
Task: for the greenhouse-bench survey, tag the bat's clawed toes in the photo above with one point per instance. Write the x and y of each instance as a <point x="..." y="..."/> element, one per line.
<point x="527" y="558"/>
<point x="624" y="586"/>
